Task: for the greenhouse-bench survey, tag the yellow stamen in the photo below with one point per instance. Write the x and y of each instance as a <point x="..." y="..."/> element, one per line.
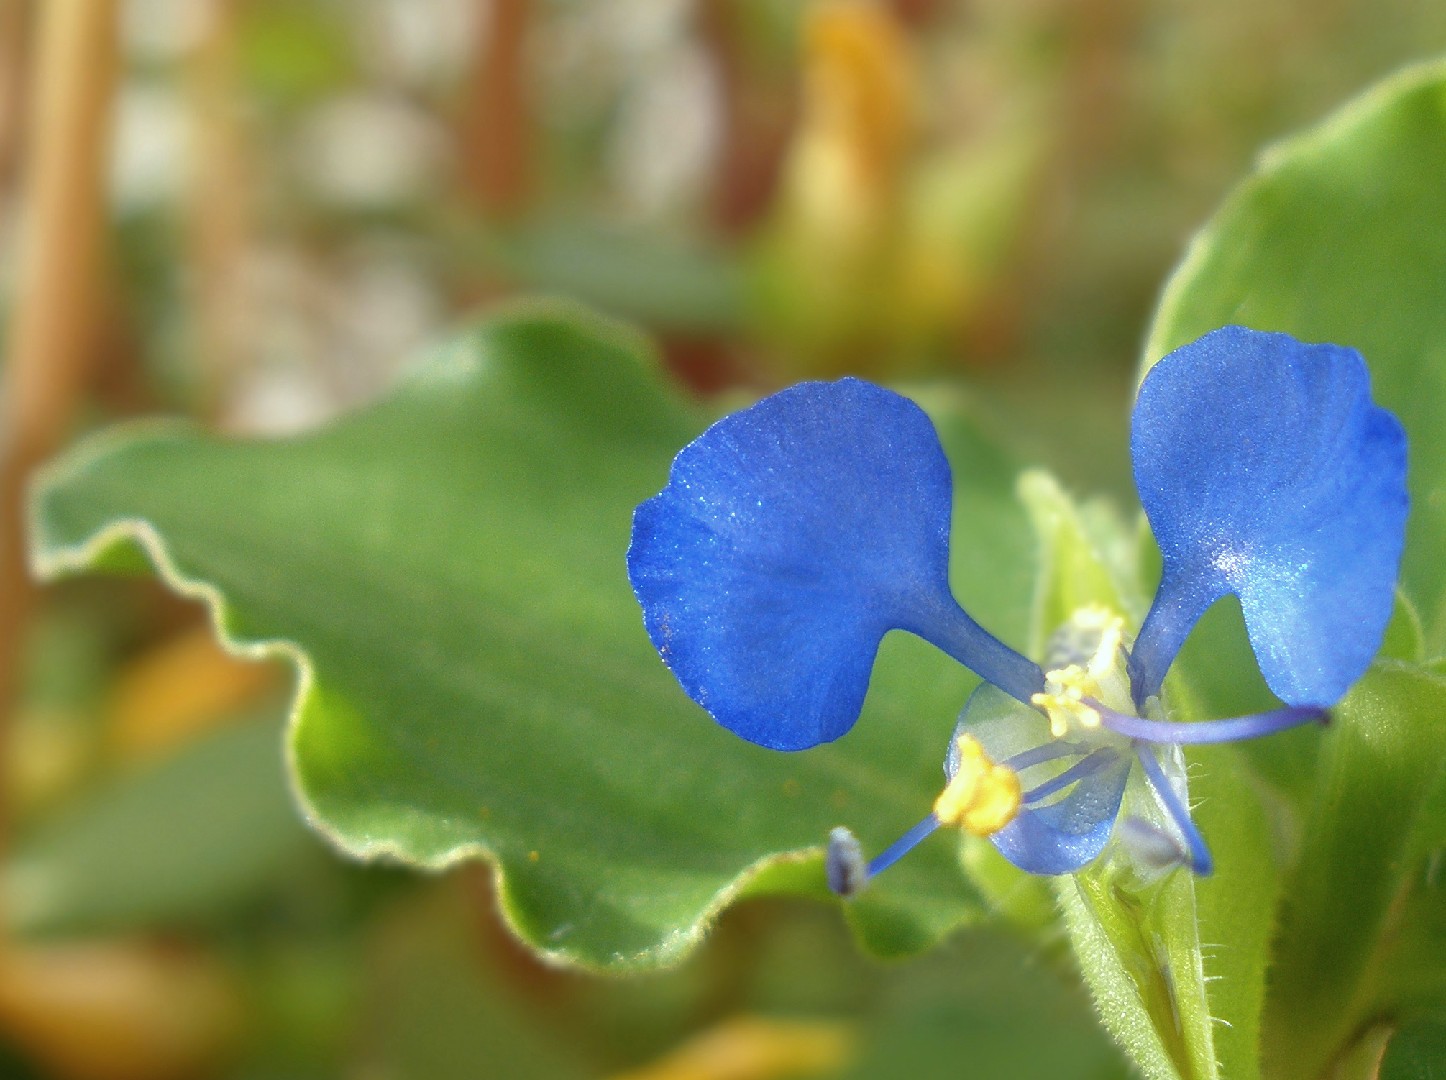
<point x="1101" y="677"/>
<point x="1063" y="699"/>
<point x="982" y="797"/>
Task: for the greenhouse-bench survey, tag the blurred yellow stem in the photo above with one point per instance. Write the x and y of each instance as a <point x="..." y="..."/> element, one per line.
<point x="496" y="132"/>
<point x="14" y="21"/>
<point x="52" y="328"/>
<point x="753" y="1048"/>
<point x="216" y="206"/>
<point x="118" y="1009"/>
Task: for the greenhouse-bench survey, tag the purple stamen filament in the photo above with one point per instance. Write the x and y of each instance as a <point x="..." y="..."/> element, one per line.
<point x="902" y="846"/>
<point x="1050" y="751"/>
<point x="1200" y="860"/>
<point x="1167" y="733"/>
<point x="1078" y="771"/>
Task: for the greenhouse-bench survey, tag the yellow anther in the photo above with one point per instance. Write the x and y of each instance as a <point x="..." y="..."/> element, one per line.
<point x="982" y="797"/>
<point x="1063" y="699"/>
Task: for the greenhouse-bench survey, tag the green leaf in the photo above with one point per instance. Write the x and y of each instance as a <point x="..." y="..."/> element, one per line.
<point x="1348" y="898"/>
<point x="688" y="288"/>
<point x="1416" y="1052"/>
<point x="184" y="840"/>
<point x="1340" y="235"/>
<point x="446" y="571"/>
<point x="1412" y="961"/>
<point x="984" y="1006"/>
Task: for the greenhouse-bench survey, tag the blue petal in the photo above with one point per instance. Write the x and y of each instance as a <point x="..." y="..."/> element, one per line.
<point x="1266" y="471"/>
<point x="1063" y="836"/>
<point x="790" y="538"/>
<point x="1060" y="836"/>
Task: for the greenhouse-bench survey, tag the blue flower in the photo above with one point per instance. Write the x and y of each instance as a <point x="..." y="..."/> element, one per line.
<point x="793" y="535"/>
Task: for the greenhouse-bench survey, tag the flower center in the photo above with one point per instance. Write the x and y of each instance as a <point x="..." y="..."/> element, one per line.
<point x="1090" y="667"/>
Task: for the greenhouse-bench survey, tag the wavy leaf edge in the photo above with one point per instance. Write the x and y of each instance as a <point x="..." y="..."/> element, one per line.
<point x="50" y="560"/>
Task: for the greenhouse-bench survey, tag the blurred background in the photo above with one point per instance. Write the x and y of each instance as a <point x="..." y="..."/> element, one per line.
<point x="256" y="212"/>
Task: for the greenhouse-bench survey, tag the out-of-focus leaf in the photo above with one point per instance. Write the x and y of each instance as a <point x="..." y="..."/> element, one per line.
<point x="1411" y="968"/>
<point x="446" y="571"/>
<point x="1416" y="1052"/>
<point x="669" y="284"/>
<point x="1340" y="235"/>
<point x="1382" y="759"/>
<point x="186" y="839"/>
<point x="987" y="1006"/>
<point x="293" y="54"/>
<point x="437" y="1004"/>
